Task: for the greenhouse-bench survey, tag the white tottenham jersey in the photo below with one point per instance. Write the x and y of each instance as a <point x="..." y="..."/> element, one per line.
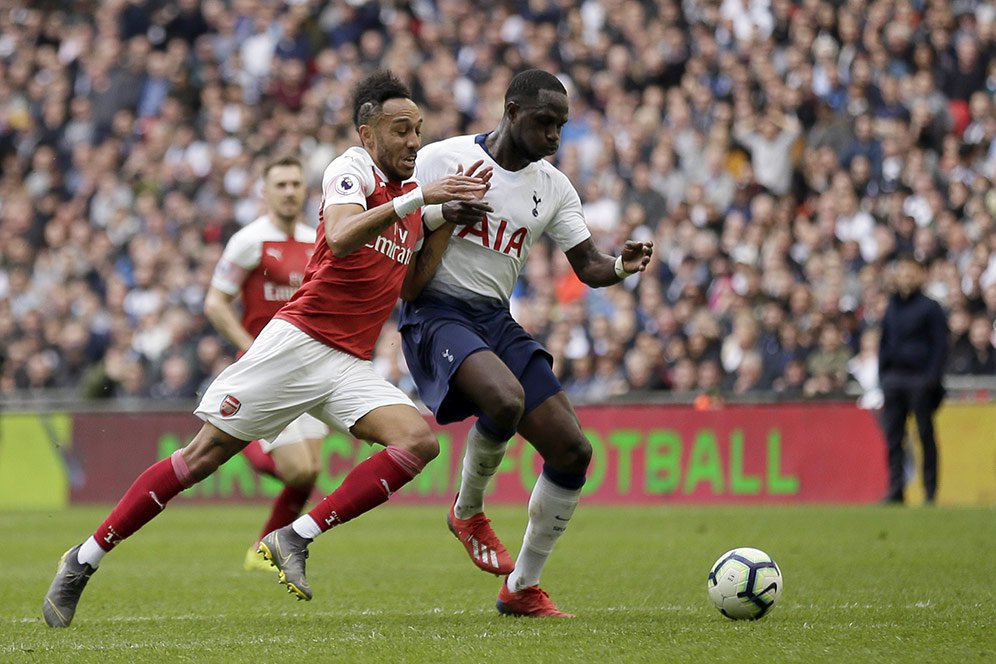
<point x="485" y="259"/>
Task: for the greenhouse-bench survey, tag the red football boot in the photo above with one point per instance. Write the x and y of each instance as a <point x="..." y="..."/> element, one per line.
<point x="532" y="602"/>
<point x="482" y="544"/>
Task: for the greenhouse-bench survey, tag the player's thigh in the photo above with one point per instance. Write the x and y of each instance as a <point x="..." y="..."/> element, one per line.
<point x="554" y="430"/>
<point x="397" y="425"/>
<point x="284" y="374"/>
<point x="372" y="409"/>
<point x="485" y="379"/>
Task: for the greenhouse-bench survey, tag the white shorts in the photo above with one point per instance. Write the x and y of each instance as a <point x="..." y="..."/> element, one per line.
<point x="286" y="373"/>
<point x="305" y="427"/>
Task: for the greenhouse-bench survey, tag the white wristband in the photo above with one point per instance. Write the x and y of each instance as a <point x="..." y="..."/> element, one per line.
<point x="405" y="204"/>
<point x="432" y="216"/>
<point x="620" y="270"/>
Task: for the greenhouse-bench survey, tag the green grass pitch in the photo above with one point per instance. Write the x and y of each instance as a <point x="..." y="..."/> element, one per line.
<point x="862" y="584"/>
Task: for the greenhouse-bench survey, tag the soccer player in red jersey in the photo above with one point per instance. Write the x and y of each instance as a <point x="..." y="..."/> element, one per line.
<point x="262" y="265"/>
<point x="314" y="356"/>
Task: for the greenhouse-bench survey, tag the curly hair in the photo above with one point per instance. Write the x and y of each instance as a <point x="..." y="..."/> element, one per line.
<point x="372" y="91"/>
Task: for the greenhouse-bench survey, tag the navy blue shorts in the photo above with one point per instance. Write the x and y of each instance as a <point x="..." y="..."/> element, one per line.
<point x="439" y="332"/>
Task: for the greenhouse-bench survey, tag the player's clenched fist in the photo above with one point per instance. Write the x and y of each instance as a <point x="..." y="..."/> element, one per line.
<point x="636" y="255"/>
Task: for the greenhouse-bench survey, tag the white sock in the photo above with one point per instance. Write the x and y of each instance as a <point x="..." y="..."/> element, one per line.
<point x="90" y="553"/>
<point x="480" y="463"/>
<point x="550" y="508"/>
<point x="306" y="527"/>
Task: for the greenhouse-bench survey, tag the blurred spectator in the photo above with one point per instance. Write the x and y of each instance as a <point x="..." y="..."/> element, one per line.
<point x="828" y="363"/>
<point x="864" y="368"/>
<point x="770" y="139"/>
<point x="749" y="374"/>
<point x="974" y="354"/>
<point x="779" y="153"/>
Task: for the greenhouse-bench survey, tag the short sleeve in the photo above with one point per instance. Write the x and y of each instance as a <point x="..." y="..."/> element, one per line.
<point x="241" y="256"/>
<point x="347" y="180"/>
<point x="568" y="228"/>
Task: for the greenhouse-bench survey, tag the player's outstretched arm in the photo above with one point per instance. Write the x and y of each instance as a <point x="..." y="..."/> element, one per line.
<point x="348" y="226"/>
<point x="597" y="269"/>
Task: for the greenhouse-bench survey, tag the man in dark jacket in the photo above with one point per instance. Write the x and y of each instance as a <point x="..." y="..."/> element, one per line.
<point x="911" y="360"/>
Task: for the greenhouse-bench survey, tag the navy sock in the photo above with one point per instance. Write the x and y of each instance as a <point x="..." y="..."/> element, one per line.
<point x="566" y="480"/>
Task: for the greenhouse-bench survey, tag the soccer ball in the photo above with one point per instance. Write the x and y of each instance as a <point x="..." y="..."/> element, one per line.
<point x="744" y="584"/>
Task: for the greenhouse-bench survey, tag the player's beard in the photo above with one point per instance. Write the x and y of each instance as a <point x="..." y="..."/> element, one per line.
<point x="288" y="213"/>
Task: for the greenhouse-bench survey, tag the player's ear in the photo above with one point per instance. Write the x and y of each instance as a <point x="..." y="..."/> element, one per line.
<point x="366" y="135"/>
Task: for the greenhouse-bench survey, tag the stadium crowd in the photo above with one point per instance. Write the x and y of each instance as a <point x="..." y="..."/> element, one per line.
<point x="780" y="153"/>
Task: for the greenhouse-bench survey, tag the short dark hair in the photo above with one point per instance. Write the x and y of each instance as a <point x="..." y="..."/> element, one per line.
<point x="282" y="160"/>
<point x="528" y="84"/>
<point x="372" y="91"/>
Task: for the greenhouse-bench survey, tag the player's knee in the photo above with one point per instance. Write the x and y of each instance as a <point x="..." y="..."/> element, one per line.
<point x="507" y="406"/>
<point x="300" y="475"/>
<point x="574" y="457"/>
<point x="207" y="451"/>
<point x="581" y="454"/>
<point x="421" y="442"/>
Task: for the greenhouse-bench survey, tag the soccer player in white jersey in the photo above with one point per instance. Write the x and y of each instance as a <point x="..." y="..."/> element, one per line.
<point x="314" y="356"/>
<point x="467" y="355"/>
<point x="262" y="266"/>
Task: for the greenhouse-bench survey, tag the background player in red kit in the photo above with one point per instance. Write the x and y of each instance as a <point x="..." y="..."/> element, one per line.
<point x="263" y="265"/>
<point x="314" y="356"/>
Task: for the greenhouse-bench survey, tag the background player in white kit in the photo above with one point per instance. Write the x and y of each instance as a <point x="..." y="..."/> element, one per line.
<point x="469" y="357"/>
<point x="314" y="356"/>
<point x="262" y="266"/>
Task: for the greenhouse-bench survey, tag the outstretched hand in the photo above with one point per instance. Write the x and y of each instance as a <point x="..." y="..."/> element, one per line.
<point x="477" y="170"/>
<point x="459" y="186"/>
<point x="636" y="255"/>
<point x="467" y="212"/>
<point x="453" y="188"/>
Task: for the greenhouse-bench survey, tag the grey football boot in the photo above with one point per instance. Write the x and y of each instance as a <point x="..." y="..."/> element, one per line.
<point x="63" y="595"/>
<point x="287" y="551"/>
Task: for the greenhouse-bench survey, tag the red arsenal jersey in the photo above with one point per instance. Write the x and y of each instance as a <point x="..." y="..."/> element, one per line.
<point x="344" y="302"/>
<point x="265" y="265"/>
